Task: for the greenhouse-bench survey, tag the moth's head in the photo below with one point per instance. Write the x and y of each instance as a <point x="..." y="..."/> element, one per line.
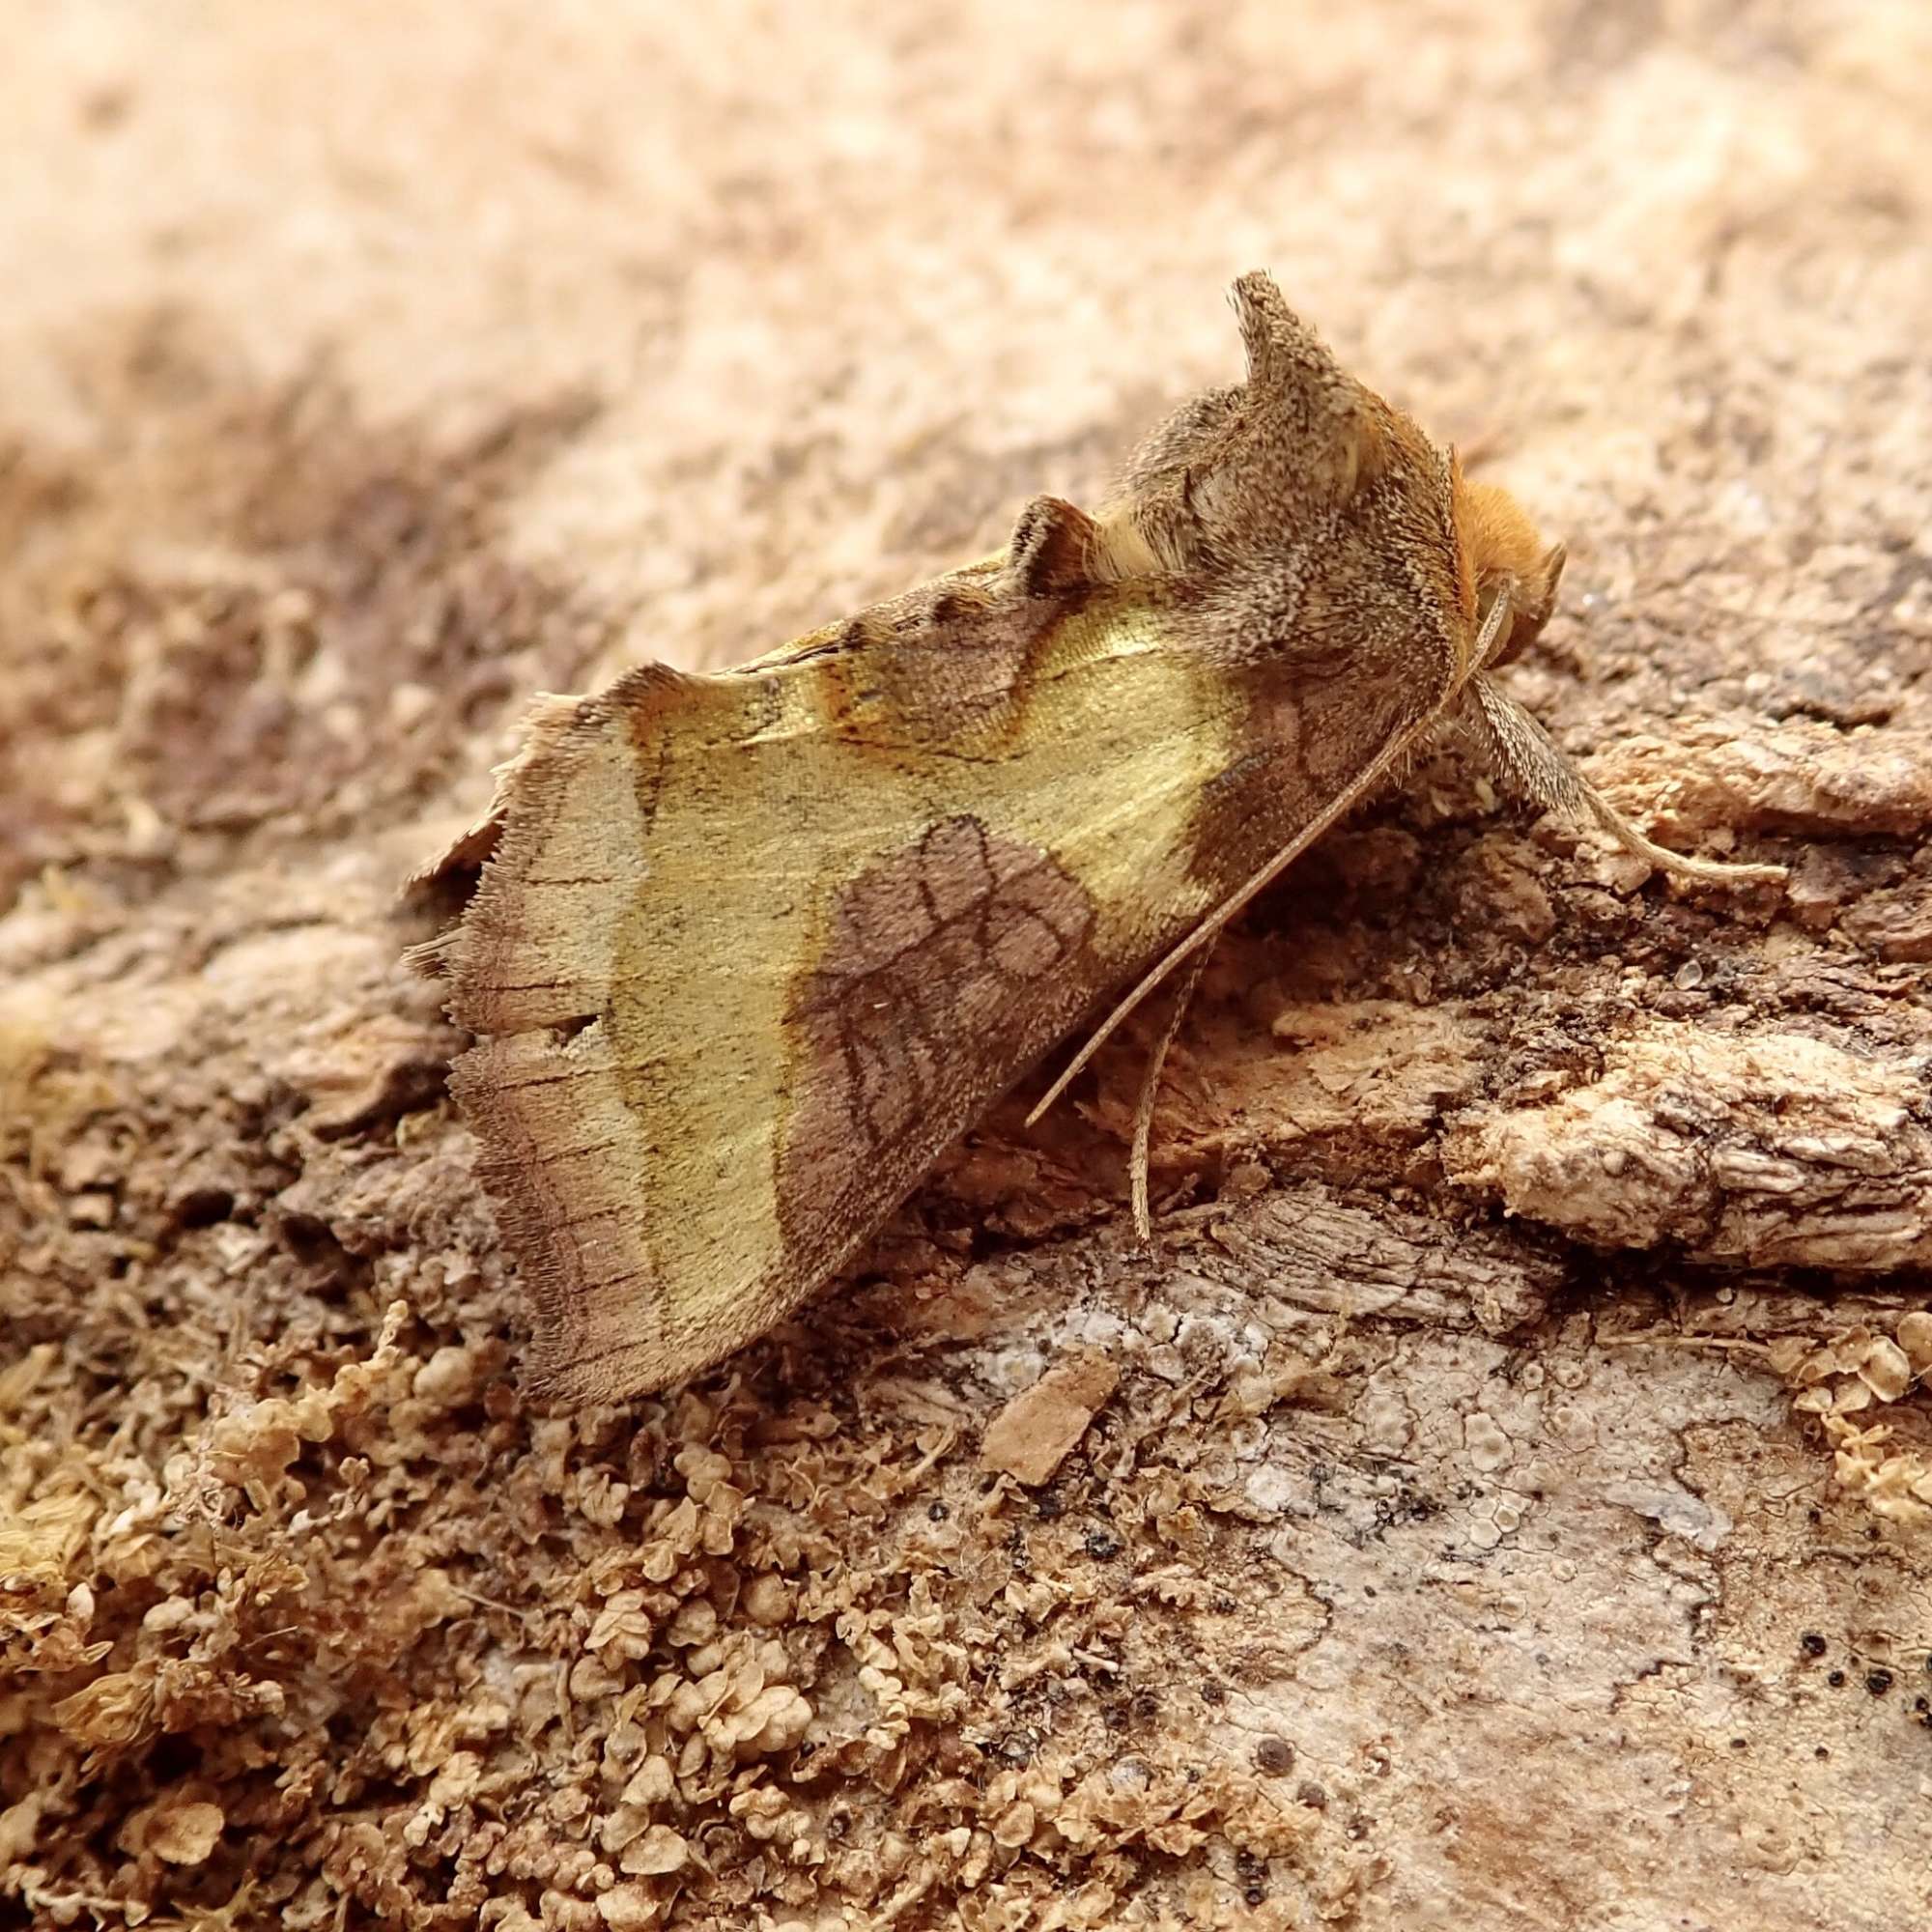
<point x="1506" y="557"/>
<point x="1311" y="510"/>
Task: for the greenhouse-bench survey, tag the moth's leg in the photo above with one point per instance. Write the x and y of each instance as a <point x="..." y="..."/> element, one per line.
<point x="1137" y="1167"/>
<point x="1520" y="755"/>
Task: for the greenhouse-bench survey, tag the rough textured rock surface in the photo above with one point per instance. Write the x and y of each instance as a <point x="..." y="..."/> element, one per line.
<point x="1501" y="1500"/>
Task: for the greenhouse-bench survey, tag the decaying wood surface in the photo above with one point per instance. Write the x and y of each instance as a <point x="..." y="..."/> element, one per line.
<point x="1501" y="1498"/>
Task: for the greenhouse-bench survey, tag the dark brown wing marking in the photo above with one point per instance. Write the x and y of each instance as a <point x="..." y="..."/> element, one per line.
<point x="927" y="953"/>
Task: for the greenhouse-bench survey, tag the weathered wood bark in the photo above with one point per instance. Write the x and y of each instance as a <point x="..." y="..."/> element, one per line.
<point x="1502" y="1497"/>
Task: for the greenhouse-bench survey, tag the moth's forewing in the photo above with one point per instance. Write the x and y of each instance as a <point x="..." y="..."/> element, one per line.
<point x="753" y="949"/>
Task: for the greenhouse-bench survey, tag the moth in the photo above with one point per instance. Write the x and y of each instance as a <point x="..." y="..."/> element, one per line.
<point x="748" y="949"/>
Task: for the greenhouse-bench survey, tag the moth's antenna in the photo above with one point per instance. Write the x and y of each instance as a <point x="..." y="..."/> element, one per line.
<point x="1137" y="1165"/>
<point x="1388" y="759"/>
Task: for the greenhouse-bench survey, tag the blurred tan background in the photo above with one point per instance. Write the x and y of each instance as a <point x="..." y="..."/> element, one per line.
<point x="847" y="282"/>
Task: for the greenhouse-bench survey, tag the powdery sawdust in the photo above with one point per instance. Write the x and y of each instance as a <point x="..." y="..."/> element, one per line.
<point x="1500" y="1498"/>
<point x="1856" y="1386"/>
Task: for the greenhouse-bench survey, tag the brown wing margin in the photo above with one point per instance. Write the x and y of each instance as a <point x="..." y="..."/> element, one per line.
<point x="530" y="966"/>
